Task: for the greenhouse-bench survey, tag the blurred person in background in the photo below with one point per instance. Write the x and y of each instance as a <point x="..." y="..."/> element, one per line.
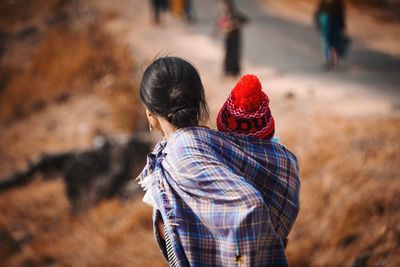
<point x="158" y="7"/>
<point x="189" y="11"/>
<point x="177" y="7"/>
<point x="182" y="9"/>
<point x="219" y="199"/>
<point x="229" y="22"/>
<point x="331" y="24"/>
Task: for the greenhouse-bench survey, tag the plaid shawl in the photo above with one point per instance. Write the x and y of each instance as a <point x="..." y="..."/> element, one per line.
<point x="225" y="199"/>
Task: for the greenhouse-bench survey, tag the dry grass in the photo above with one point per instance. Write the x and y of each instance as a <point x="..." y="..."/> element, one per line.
<point x="112" y="234"/>
<point x="64" y="85"/>
<point x="350" y="195"/>
<point x="15" y="13"/>
<point x="67" y="60"/>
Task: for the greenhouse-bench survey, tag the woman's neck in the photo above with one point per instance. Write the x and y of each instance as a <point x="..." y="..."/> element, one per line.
<point x="167" y="128"/>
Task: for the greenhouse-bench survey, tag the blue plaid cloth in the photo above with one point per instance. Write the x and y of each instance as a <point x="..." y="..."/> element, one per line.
<point x="225" y="199"/>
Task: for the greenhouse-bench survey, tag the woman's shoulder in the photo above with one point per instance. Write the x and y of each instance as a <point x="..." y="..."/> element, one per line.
<point x="189" y="147"/>
<point x="190" y="136"/>
<point x="196" y="140"/>
<point x="202" y="138"/>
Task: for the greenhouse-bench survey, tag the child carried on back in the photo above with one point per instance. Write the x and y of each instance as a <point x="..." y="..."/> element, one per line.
<point x="246" y="111"/>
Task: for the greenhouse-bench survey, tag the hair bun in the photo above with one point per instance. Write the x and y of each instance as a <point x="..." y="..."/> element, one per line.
<point x="182" y="116"/>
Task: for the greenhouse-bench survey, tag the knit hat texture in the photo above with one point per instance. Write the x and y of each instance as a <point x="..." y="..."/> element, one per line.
<point x="246" y="110"/>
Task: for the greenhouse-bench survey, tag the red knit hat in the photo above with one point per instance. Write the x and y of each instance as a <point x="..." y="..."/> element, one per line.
<point x="247" y="110"/>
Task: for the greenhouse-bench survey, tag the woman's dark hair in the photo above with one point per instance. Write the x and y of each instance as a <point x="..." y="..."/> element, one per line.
<point x="171" y="88"/>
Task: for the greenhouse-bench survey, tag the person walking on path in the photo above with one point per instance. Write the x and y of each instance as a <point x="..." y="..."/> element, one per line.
<point x="330" y="22"/>
<point x="182" y="9"/>
<point x="230" y="22"/>
<point x="158" y="7"/>
<point x="189" y="14"/>
<point x="219" y="199"/>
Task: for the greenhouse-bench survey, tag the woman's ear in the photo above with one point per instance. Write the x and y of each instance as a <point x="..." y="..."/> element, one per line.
<point x="148" y="114"/>
<point x="153" y="120"/>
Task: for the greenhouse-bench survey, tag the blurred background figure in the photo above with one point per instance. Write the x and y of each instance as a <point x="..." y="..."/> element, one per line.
<point x="188" y="11"/>
<point x="330" y="22"/>
<point x="178" y="7"/>
<point x="229" y="22"/>
<point x="158" y="7"/>
<point x="182" y="9"/>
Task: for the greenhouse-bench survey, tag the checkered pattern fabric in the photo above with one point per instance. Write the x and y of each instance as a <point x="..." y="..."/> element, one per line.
<point x="225" y="199"/>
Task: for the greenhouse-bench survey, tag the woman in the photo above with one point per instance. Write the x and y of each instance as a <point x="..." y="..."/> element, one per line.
<point x="219" y="199"/>
<point x="230" y="22"/>
<point x="158" y="7"/>
<point x="330" y="21"/>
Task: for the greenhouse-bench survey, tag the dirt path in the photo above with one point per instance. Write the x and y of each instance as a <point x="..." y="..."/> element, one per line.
<point x="284" y="53"/>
